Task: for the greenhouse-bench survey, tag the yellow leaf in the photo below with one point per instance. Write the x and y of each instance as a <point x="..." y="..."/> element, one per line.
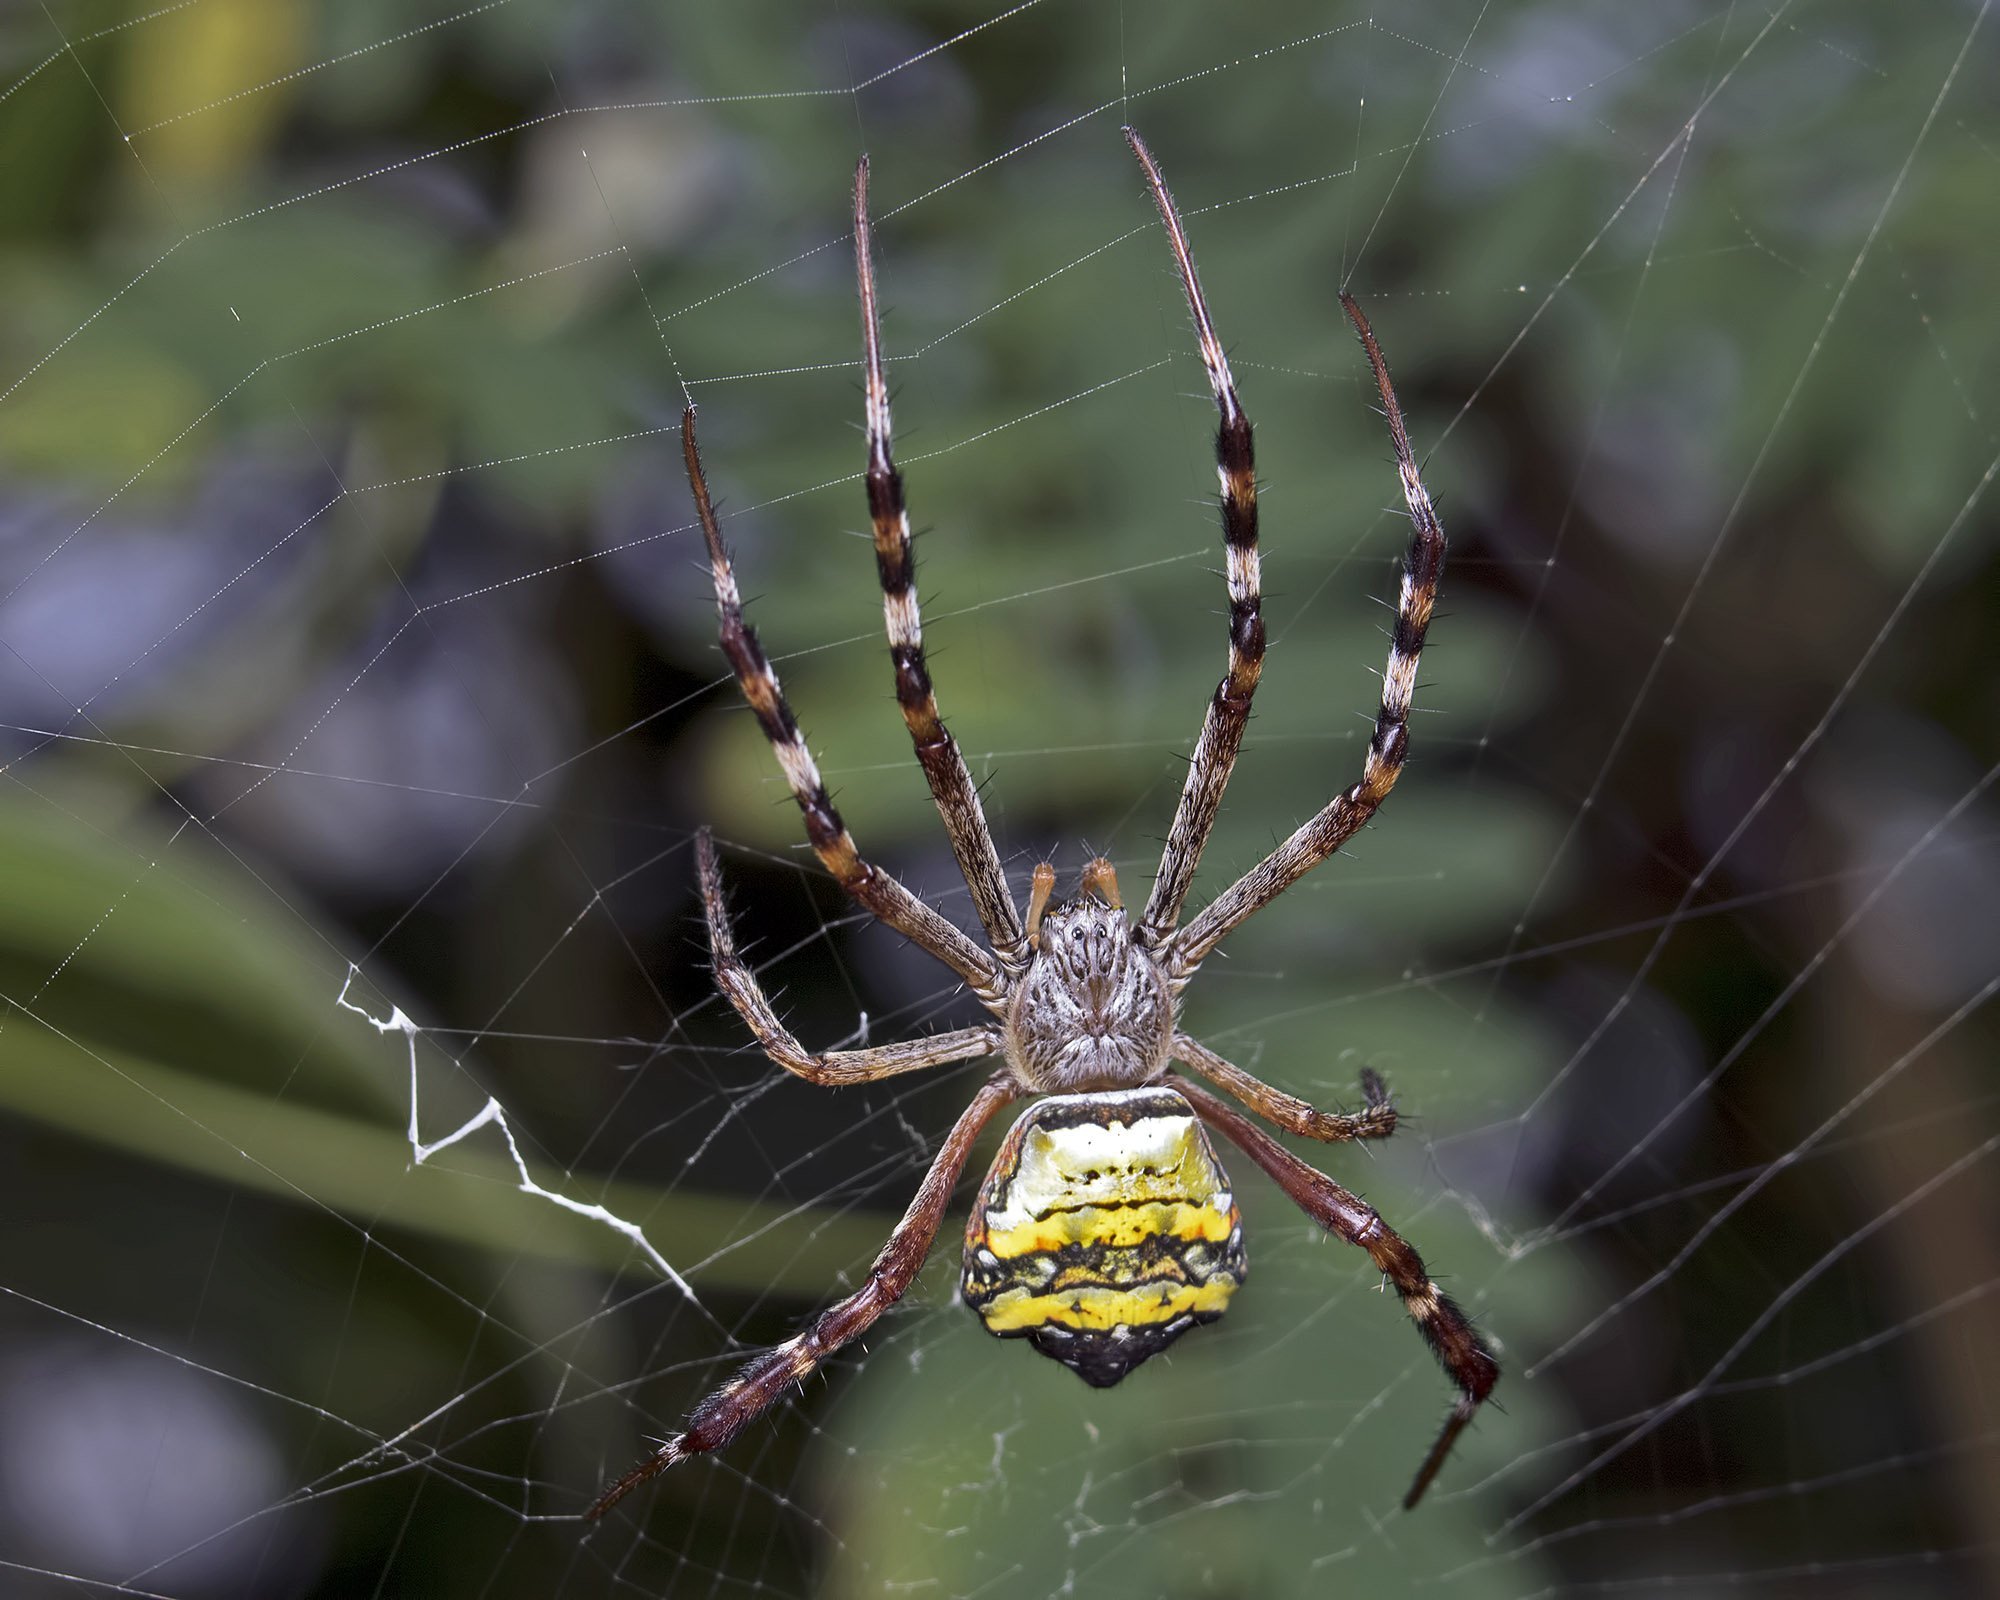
<point x="202" y="89"/>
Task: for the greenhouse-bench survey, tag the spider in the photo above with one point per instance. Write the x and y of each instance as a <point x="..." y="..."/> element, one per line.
<point x="1106" y="1228"/>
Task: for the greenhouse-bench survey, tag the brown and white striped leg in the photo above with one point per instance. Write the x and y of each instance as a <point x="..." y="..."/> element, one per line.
<point x="753" y="1390"/>
<point x="1222" y="729"/>
<point x="944" y="767"/>
<point x="740" y="987"/>
<point x="1376" y="1120"/>
<point x="1388" y="748"/>
<point x="875" y="889"/>
<point x="1446" y="1329"/>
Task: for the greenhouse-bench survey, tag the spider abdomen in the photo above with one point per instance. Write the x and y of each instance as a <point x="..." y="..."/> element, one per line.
<point x="1105" y="1230"/>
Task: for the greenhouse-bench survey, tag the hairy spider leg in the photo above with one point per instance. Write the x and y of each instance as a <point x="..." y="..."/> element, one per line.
<point x="944" y="767"/>
<point x="1222" y="729"/>
<point x="755" y="1388"/>
<point x="1446" y="1329"/>
<point x="1388" y="746"/>
<point x="740" y="987"/>
<point x="875" y="889"/>
<point x="1376" y="1120"/>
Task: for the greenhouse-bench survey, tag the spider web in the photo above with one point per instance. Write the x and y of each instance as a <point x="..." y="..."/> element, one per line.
<point x="382" y="1172"/>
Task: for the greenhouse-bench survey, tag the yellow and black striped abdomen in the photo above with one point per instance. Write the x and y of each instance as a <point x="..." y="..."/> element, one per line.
<point x="1105" y="1230"/>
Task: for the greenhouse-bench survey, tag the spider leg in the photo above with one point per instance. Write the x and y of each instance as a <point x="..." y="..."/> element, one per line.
<point x="875" y="889"/>
<point x="1289" y="1112"/>
<point x="1451" y="1336"/>
<point x="1222" y="729"/>
<point x="723" y="1415"/>
<point x="1387" y="748"/>
<point x="740" y="987"/>
<point x="944" y="767"/>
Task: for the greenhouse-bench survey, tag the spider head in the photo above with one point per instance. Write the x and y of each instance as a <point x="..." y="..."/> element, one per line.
<point x="1086" y="943"/>
<point x="1093" y="1010"/>
<point x="1086" y="940"/>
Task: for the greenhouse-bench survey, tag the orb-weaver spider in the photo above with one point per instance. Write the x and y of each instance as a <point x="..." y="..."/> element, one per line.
<point x="1106" y="1227"/>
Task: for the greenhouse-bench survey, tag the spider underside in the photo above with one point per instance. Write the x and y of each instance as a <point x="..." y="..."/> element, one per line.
<point x="1106" y="1227"/>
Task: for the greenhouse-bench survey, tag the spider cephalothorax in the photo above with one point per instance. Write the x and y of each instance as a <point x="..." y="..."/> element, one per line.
<point x="1093" y="1010"/>
<point x="1106" y="1227"/>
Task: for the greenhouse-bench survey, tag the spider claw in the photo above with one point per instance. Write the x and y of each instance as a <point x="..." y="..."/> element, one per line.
<point x="1461" y="1413"/>
<point x="669" y="1454"/>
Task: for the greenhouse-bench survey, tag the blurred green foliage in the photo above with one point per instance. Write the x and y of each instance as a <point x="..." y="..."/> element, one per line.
<point x="353" y="617"/>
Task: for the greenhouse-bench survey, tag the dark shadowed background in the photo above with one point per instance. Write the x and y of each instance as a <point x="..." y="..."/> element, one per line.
<point x="355" y="664"/>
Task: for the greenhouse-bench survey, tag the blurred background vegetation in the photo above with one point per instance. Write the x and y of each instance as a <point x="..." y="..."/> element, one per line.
<point x="352" y="650"/>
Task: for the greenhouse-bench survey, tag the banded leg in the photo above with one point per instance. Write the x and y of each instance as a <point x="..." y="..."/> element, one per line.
<point x="951" y="784"/>
<point x="723" y="1415"/>
<point x="740" y="987"/>
<point x="875" y="889"/>
<point x="1451" y="1336"/>
<point x="1377" y="1120"/>
<point x="1222" y="729"/>
<point x="1389" y="746"/>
